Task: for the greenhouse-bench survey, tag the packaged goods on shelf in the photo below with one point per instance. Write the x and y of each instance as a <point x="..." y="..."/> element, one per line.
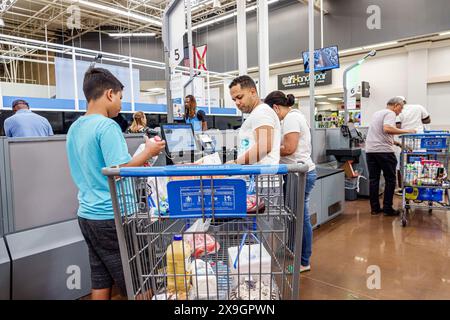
<point x="426" y="173"/>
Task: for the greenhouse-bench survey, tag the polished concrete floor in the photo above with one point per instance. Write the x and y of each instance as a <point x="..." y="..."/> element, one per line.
<point x="413" y="262"/>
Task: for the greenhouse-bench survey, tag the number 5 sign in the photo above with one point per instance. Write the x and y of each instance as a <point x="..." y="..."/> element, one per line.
<point x="177" y="23"/>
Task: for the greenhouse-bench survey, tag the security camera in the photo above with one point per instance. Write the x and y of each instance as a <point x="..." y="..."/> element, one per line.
<point x="372" y="53"/>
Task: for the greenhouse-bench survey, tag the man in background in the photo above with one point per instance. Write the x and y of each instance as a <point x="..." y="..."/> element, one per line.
<point x="380" y="153"/>
<point x="413" y="117"/>
<point x="25" y="123"/>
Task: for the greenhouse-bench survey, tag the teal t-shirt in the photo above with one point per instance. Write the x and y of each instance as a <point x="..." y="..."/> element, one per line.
<point x="95" y="142"/>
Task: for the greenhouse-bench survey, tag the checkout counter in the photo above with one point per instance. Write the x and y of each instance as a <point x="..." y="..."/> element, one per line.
<point x="42" y="250"/>
<point x="346" y="145"/>
<point x="43" y="254"/>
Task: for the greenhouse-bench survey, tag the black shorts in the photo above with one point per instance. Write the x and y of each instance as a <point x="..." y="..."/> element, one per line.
<point x="104" y="254"/>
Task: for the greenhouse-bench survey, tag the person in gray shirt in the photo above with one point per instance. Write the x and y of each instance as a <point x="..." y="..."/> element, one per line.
<point x="380" y="153"/>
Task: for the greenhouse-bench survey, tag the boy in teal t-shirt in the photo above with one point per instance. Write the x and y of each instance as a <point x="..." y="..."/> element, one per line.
<point x="96" y="141"/>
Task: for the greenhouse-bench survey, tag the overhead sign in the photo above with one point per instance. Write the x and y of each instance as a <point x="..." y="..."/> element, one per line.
<point x="298" y="80"/>
<point x="177" y="23"/>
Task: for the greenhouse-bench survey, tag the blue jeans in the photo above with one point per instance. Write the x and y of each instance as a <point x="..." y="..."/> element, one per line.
<point x="307" y="227"/>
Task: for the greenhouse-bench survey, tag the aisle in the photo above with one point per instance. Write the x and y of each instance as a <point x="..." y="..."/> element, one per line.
<point x="414" y="261"/>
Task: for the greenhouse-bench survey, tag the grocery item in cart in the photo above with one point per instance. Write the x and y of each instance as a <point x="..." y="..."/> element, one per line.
<point x="200" y="242"/>
<point x="204" y="282"/>
<point x="249" y="260"/>
<point x="224" y="280"/>
<point x="178" y="264"/>
<point x="255" y="204"/>
<point x="255" y="290"/>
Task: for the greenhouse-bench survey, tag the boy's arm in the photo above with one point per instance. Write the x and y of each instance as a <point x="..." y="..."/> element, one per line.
<point x="115" y="150"/>
<point x="152" y="148"/>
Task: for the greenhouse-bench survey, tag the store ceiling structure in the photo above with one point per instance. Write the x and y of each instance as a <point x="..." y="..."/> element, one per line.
<point x="58" y="18"/>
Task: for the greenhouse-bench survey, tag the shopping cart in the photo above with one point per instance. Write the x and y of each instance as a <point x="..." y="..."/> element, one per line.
<point x="221" y="233"/>
<point x="424" y="166"/>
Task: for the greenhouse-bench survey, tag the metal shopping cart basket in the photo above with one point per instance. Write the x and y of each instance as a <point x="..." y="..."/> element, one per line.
<point x="424" y="166"/>
<point x="208" y="232"/>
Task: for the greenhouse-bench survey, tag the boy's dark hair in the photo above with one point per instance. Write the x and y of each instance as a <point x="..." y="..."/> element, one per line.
<point x="245" y="81"/>
<point x="97" y="80"/>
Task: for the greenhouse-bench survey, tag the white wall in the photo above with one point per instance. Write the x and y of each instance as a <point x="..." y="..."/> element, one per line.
<point x="26" y="90"/>
<point x="439" y="105"/>
<point x="401" y="71"/>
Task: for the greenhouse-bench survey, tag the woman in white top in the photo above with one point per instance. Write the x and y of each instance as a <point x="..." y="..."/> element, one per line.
<point x="296" y="147"/>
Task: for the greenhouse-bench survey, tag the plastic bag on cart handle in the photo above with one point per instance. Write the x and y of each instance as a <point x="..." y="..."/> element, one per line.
<point x="199" y="226"/>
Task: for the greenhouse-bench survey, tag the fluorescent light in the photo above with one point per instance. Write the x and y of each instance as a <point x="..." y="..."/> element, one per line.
<point x="447" y="33"/>
<point x="351" y="50"/>
<point x="154" y="89"/>
<point x="322" y="103"/>
<point x="227" y="16"/>
<point x="320" y="97"/>
<point x="2" y="23"/>
<point x="120" y="35"/>
<point x="384" y="44"/>
<point x="119" y="12"/>
<point x="335" y="99"/>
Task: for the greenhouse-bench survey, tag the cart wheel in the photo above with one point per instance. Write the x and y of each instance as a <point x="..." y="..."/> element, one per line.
<point x="429" y="209"/>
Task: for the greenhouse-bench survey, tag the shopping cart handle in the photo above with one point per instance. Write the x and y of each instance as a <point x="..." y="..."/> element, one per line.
<point x="205" y="170"/>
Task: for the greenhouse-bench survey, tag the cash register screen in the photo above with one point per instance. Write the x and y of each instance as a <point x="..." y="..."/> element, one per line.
<point x="179" y="137"/>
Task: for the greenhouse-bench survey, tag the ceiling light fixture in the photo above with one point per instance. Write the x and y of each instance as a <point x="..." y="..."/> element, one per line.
<point x="350" y="50"/>
<point x="335" y="99"/>
<point x="447" y="33"/>
<point x="228" y="16"/>
<point x="2" y="23"/>
<point x="384" y="44"/>
<point x="118" y="12"/>
<point x="131" y="35"/>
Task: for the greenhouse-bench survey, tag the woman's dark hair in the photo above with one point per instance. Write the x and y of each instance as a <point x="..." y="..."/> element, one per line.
<point x="279" y="98"/>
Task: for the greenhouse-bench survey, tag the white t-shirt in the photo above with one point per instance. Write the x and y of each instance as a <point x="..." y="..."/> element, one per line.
<point x="262" y="115"/>
<point x="295" y="122"/>
<point x="411" y="117"/>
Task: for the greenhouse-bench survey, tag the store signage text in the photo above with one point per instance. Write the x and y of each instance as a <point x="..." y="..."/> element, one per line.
<point x="297" y="80"/>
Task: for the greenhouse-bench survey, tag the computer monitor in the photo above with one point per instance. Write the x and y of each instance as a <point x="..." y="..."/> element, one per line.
<point x="324" y="59"/>
<point x="179" y="137"/>
<point x="352" y="131"/>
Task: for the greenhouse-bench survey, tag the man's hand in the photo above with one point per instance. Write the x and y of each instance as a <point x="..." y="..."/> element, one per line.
<point x="412" y="131"/>
<point x="153" y="147"/>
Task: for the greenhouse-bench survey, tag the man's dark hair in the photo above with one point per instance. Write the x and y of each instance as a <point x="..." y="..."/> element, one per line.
<point x="245" y="81"/>
<point x="97" y="81"/>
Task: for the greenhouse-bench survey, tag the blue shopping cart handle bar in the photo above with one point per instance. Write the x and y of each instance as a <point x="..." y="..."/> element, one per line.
<point x="426" y="134"/>
<point x="205" y="170"/>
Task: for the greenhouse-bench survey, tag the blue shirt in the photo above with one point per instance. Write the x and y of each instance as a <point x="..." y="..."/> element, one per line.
<point x="25" y="123"/>
<point x="95" y="142"/>
<point x="196" y="124"/>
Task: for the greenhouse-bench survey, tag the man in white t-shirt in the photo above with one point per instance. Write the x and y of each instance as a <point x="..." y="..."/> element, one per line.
<point x="260" y="134"/>
<point x="413" y="116"/>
